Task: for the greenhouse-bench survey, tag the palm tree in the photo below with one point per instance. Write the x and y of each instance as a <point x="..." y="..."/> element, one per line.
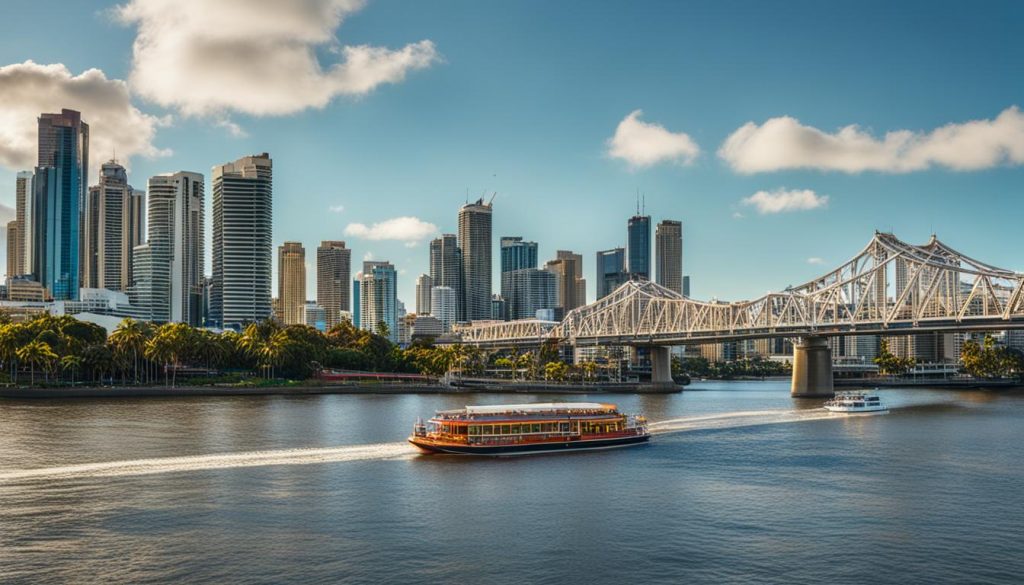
<point x="9" y="348"/>
<point x="129" y="337"/>
<point x="71" y="362"/>
<point x="36" y="353"/>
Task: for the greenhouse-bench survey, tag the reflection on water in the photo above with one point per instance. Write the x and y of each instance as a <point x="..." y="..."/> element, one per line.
<point x="740" y="483"/>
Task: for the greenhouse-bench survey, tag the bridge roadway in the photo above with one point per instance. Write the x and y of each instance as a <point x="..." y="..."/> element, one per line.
<point x="889" y="288"/>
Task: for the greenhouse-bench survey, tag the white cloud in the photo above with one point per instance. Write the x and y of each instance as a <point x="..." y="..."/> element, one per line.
<point x="29" y="89"/>
<point x="642" y="144"/>
<point x="403" y="229"/>
<point x="782" y="200"/>
<point x="815" y="260"/>
<point x="785" y="143"/>
<point x="336" y="208"/>
<point x="257" y="57"/>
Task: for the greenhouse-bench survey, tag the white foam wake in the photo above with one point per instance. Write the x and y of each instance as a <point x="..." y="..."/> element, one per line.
<point x="379" y="451"/>
<point x="730" y="420"/>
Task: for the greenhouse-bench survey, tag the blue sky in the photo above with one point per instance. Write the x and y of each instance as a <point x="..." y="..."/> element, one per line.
<point x="521" y="98"/>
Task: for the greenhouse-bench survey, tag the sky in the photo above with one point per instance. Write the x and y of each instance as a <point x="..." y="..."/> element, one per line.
<point x="781" y="134"/>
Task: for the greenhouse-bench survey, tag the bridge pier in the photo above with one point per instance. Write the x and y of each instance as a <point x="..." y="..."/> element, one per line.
<point x="812" y="368"/>
<point x="661" y="366"/>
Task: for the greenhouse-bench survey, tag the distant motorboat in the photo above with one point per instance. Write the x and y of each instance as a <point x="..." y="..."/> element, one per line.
<point x="856" y="403"/>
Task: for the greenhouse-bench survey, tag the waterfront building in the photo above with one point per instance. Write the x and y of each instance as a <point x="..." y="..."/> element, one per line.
<point x="686" y="286"/>
<point x="13" y="238"/>
<point x="356" y="300"/>
<point x="377" y="297"/>
<point x="444" y="306"/>
<point x="668" y="245"/>
<point x="499" y="308"/>
<point x="313" y="315"/>
<point x="423" y="285"/>
<point x="517" y="254"/>
<point x="566" y="283"/>
<point x="333" y="279"/>
<point x="531" y="290"/>
<point x="242" y="241"/>
<point x="475" y="243"/>
<point x="611" y="271"/>
<point x="580" y="284"/>
<point x="426" y="327"/>
<point x="638" y="247"/>
<point x="446" y="269"/>
<point x="59" y="186"/>
<point x="25" y="289"/>
<point x="291" y="282"/>
<point x="111" y="229"/>
<point x="167" y="271"/>
<point x="22" y="249"/>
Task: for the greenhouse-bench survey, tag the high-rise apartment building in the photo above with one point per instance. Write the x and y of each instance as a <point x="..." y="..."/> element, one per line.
<point x="443" y="306"/>
<point x="291" y="282"/>
<point x="333" y="280"/>
<point x="581" y="283"/>
<point x="242" y="244"/>
<point x="13" y="237"/>
<point x="668" y="245"/>
<point x="377" y="297"/>
<point x="611" y="271"/>
<point x="531" y="290"/>
<point x="638" y="247"/>
<point x="168" y="270"/>
<point x="423" y="285"/>
<point x="111" y="230"/>
<point x="59" y="185"/>
<point x="23" y="216"/>
<point x="446" y="269"/>
<point x="565" y="268"/>
<point x="517" y="254"/>
<point x="475" y="243"/>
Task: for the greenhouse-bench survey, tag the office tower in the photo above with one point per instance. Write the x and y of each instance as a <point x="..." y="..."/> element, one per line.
<point x="581" y="283"/>
<point x="168" y="270"/>
<point x="499" y="309"/>
<point x="242" y="245"/>
<point x="423" y="285"/>
<point x="638" y="247"/>
<point x="313" y="315"/>
<point x="377" y="298"/>
<point x="564" y="270"/>
<point x="668" y="245"/>
<point x="333" y="279"/>
<point x="446" y="268"/>
<point x="23" y="215"/>
<point x="686" y="286"/>
<point x="111" y="230"/>
<point x="13" y="237"/>
<point x="531" y="290"/>
<point x="443" y="306"/>
<point x="517" y="254"/>
<point x="611" y="271"/>
<point x="356" y="300"/>
<point x="475" y="243"/>
<point x="59" y="186"/>
<point x="291" y="282"/>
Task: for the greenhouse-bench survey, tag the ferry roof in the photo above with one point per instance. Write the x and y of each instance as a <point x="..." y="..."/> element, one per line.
<point x="538" y="407"/>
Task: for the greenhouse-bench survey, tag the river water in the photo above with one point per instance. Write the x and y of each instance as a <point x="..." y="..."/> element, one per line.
<point x="740" y="484"/>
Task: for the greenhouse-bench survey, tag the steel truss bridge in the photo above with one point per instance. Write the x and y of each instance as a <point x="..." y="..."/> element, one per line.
<point x="888" y="288"/>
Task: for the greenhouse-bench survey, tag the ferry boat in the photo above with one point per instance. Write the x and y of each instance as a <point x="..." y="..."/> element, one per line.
<point x="519" y="429"/>
<point x="856" y="402"/>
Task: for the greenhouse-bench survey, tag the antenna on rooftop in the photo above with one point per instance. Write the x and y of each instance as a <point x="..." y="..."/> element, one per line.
<point x="643" y="203"/>
<point x="638" y="200"/>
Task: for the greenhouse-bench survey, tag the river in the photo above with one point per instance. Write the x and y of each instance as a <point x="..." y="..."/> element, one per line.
<point x="740" y="484"/>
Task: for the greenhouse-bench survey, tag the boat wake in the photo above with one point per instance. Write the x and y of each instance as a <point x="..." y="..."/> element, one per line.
<point x="731" y="420"/>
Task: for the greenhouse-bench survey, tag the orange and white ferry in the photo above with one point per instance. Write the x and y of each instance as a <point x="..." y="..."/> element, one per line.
<point x="519" y="429"/>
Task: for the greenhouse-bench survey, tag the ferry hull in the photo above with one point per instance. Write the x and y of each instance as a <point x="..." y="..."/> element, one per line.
<point x="534" y="449"/>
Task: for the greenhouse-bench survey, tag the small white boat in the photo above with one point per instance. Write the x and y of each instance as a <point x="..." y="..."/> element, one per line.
<point x="856" y="402"/>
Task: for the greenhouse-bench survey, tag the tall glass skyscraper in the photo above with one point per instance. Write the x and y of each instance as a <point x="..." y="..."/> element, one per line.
<point x="242" y="247"/>
<point x="515" y="255"/>
<point x="446" y="269"/>
<point x="61" y="180"/>
<point x="638" y="247"/>
<point x="611" y="271"/>
<point x="378" y="297"/>
<point x="111" y="229"/>
<point x="475" y="243"/>
<point x="333" y="279"/>
<point x="668" y="244"/>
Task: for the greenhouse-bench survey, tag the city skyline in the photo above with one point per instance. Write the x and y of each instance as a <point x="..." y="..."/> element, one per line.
<point x="554" y="158"/>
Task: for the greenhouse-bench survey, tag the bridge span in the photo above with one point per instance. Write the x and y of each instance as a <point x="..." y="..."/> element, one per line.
<point x="890" y="287"/>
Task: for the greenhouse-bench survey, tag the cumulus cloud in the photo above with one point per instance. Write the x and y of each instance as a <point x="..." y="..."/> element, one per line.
<point x="258" y="57"/>
<point x="29" y="89"/>
<point x="336" y="208"/>
<point x="782" y="200"/>
<point x="784" y="143"/>
<point x="815" y="260"/>
<point x="643" y="144"/>
<point x="403" y="229"/>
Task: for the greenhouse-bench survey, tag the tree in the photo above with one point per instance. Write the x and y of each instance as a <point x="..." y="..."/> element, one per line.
<point x="73" y="363"/>
<point x="37" y="353"/>
<point x="556" y="371"/>
<point x="129" y="339"/>
<point x="889" y="363"/>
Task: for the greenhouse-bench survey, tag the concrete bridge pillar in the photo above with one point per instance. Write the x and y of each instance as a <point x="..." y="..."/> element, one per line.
<point x="812" y="368"/>
<point x="661" y="365"/>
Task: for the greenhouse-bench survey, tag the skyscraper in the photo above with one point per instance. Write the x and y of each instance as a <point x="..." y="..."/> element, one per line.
<point x="333" y="279"/>
<point x="580" y="283"/>
<point x="423" y="285"/>
<point x="516" y="254"/>
<point x="13" y="237"/>
<point x="291" y="282"/>
<point x="443" y="304"/>
<point x="111" y="230"/>
<point x="60" y="182"/>
<point x="242" y="245"/>
<point x="668" y="244"/>
<point x="611" y="271"/>
<point x="638" y="247"/>
<point x="377" y="296"/>
<point x="446" y="268"/>
<point x="23" y="216"/>
<point x="530" y="290"/>
<point x="168" y="270"/>
<point x="475" y="243"/>
<point x="564" y="270"/>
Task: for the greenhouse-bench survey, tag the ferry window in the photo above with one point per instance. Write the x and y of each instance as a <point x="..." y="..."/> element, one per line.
<point x="515" y="429"/>
<point x="474" y="430"/>
<point x="506" y="429"/>
<point x="488" y="430"/>
<point x="536" y="427"/>
<point x="546" y="427"/>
